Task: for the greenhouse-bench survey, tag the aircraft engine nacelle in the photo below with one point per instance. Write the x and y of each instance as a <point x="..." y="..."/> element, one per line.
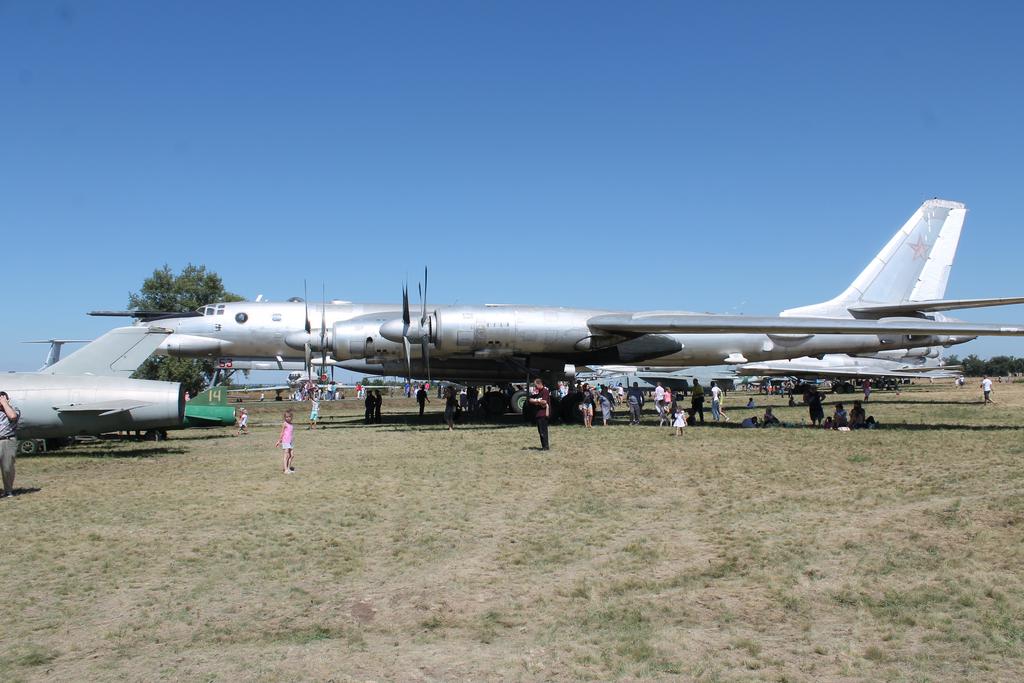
<point x="922" y="352"/>
<point x="193" y="346"/>
<point x="358" y="338"/>
<point x="496" y="330"/>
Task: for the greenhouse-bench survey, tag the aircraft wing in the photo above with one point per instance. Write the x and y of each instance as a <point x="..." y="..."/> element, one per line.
<point x="911" y="307"/>
<point x="103" y="408"/>
<point x="668" y="322"/>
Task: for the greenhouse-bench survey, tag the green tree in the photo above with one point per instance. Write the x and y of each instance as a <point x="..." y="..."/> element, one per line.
<point x="193" y="287"/>
<point x="973" y="366"/>
<point x="999" y="365"/>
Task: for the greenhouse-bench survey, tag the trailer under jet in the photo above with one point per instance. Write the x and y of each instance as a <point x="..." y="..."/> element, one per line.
<point x="894" y="303"/>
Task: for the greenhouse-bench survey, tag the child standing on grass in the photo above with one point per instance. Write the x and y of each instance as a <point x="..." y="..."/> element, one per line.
<point x="285" y="441"/>
<point x="243" y="422"/>
<point x="680" y="421"/>
<point x="314" y="413"/>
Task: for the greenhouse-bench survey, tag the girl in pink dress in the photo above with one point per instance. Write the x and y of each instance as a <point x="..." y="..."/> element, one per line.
<point x="285" y="441"/>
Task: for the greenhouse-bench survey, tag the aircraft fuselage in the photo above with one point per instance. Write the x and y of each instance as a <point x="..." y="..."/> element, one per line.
<point x="479" y="340"/>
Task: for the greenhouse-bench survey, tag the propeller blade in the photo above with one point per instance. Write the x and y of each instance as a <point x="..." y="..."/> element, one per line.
<point x="423" y="299"/>
<point x="305" y="302"/>
<point x="408" y="358"/>
<point x="309" y="361"/>
<point x="425" y="350"/>
<point x="323" y="328"/>
<point x="406" y="318"/>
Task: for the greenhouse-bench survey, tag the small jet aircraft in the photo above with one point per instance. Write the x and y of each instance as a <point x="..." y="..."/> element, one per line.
<point x="56" y="345"/>
<point x="912" y="364"/>
<point x="89" y="391"/>
<point x="894" y="303"/>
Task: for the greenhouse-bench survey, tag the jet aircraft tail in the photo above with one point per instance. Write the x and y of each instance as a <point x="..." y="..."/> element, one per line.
<point x="118" y="353"/>
<point x="53" y="355"/>
<point x="913" y="266"/>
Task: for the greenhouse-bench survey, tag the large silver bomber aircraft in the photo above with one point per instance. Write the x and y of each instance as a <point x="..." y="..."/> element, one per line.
<point x="894" y="303"/>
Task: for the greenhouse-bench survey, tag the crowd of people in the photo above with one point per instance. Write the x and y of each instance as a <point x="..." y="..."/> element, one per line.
<point x="669" y="406"/>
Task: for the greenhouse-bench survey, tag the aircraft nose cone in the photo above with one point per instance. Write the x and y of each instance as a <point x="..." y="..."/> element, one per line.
<point x="392" y="330"/>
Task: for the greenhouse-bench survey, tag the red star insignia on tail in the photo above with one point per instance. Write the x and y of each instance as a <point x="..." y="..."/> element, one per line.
<point x="920" y="248"/>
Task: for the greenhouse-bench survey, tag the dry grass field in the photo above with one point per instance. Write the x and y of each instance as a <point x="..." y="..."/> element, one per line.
<point x="404" y="552"/>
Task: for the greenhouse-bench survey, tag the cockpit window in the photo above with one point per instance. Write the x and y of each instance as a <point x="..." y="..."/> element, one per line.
<point x="220" y="309"/>
<point x="208" y="310"/>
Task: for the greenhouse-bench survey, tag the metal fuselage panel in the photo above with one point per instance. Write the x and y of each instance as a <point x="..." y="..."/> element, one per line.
<point x="486" y="333"/>
<point x="264" y="330"/>
<point x="39" y="398"/>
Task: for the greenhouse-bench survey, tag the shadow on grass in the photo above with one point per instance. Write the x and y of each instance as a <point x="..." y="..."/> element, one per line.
<point x="150" y="452"/>
<point x="24" y="491"/>
<point x="176" y="436"/>
<point x="838" y="398"/>
<point x="428" y="422"/>
<point x="888" y="427"/>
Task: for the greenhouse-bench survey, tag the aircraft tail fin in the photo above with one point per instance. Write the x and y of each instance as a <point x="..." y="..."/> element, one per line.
<point x="53" y="355"/>
<point x="118" y="353"/>
<point x="214" y="396"/>
<point x="913" y="266"/>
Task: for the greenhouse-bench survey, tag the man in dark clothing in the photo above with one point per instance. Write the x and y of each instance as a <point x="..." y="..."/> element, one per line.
<point x="697" y="400"/>
<point x="541" y="398"/>
<point x="422" y="399"/>
<point x="377" y="400"/>
<point x="635" y="401"/>
<point x="369" y="403"/>
<point x="474" y="399"/>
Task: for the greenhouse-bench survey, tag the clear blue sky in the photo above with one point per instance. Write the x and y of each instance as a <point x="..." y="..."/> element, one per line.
<point x="663" y="155"/>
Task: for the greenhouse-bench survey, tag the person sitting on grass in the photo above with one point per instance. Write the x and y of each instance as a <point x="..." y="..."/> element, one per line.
<point x="840" y="418"/>
<point x="827" y="424"/>
<point x="858" y="418"/>
<point x="769" y="419"/>
<point x="750" y="422"/>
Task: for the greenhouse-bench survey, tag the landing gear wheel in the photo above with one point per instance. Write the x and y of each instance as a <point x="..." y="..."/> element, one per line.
<point x="518" y="402"/>
<point x="28" y="447"/>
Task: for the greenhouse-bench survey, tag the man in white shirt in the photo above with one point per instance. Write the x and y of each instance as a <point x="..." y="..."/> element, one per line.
<point x="659" y="400"/>
<point x="716" y="401"/>
<point x="986" y="389"/>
